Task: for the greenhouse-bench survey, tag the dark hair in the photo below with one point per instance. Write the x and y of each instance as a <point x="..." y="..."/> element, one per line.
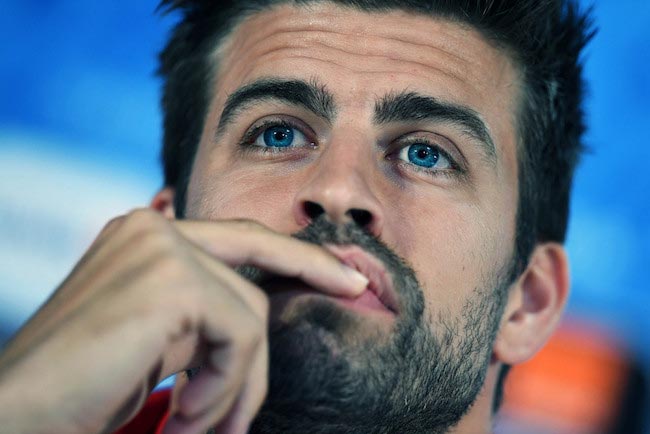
<point x="544" y="37"/>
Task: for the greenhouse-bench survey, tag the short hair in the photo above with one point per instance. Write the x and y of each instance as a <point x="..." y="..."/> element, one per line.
<point x="544" y="38"/>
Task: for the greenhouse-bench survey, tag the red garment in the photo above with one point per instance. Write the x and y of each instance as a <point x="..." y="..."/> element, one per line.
<point x="152" y="417"/>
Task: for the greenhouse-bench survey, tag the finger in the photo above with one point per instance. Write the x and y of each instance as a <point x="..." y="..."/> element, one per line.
<point x="232" y="337"/>
<point x="229" y="306"/>
<point x="250" y="294"/>
<point x="219" y="379"/>
<point x="204" y="386"/>
<point x="228" y="424"/>
<point x="250" y="400"/>
<point x="211" y="394"/>
<point x="248" y="243"/>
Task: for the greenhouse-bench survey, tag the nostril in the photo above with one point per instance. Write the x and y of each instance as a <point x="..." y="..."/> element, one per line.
<point x="361" y="217"/>
<point x="313" y="210"/>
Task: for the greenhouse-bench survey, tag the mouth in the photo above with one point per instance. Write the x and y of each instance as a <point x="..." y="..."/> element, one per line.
<point x="380" y="284"/>
<point x="379" y="296"/>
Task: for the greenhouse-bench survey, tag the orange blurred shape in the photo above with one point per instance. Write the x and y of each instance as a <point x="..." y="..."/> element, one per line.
<point x="574" y="384"/>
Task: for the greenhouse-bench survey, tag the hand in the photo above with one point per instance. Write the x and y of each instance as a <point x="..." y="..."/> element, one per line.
<point x="150" y="298"/>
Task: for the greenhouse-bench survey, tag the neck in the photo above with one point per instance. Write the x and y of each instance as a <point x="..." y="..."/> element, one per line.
<point x="479" y="419"/>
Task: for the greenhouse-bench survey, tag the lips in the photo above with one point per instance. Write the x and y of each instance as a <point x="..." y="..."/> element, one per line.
<point x="379" y="295"/>
<point x="380" y="284"/>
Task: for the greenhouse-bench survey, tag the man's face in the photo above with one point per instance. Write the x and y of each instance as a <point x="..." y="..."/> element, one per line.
<point x="409" y="119"/>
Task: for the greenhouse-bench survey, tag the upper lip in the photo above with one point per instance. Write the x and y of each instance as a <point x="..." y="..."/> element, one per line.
<point x="379" y="281"/>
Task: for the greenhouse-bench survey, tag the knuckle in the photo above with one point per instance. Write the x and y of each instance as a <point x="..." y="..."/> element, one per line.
<point x="144" y="218"/>
<point x="148" y="230"/>
<point x="114" y="222"/>
<point x="110" y="227"/>
<point x="154" y="240"/>
<point x="139" y="213"/>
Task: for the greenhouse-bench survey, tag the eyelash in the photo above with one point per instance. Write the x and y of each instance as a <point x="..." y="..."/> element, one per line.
<point x="456" y="171"/>
<point x="247" y="146"/>
<point x="251" y="136"/>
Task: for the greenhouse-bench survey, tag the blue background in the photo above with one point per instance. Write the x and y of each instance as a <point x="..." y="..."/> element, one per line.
<point x="80" y="131"/>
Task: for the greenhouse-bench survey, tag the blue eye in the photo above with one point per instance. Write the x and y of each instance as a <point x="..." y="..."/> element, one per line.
<point x="280" y="136"/>
<point x="426" y="156"/>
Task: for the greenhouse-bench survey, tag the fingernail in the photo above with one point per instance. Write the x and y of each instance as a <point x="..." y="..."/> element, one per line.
<point x="359" y="280"/>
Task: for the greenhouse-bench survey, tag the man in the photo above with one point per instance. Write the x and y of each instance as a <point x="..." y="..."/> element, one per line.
<point x="421" y="155"/>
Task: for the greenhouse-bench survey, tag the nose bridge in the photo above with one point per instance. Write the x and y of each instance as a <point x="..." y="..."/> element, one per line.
<point x="344" y="171"/>
<point x="341" y="187"/>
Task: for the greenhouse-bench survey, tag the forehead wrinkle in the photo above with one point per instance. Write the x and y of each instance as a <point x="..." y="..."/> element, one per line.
<point x="456" y="65"/>
<point x="328" y="21"/>
<point x="401" y="65"/>
<point x="320" y="19"/>
<point x="258" y="46"/>
<point x="387" y="45"/>
<point x="323" y="19"/>
<point x="314" y="35"/>
<point x="405" y="62"/>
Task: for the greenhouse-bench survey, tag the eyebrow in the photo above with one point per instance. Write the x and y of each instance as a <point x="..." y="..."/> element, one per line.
<point x="310" y="95"/>
<point x="411" y="106"/>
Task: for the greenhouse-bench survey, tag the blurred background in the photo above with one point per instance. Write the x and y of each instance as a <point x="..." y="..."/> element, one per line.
<point x="80" y="130"/>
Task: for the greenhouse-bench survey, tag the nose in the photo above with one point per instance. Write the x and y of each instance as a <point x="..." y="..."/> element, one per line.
<point x="339" y="191"/>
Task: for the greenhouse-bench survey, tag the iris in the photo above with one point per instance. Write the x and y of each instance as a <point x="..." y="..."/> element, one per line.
<point x="423" y="155"/>
<point x="278" y="137"/>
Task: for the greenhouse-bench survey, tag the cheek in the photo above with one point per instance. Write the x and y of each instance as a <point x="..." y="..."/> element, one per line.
<point x="450" y="250"/>
<point x="246" y="193"/>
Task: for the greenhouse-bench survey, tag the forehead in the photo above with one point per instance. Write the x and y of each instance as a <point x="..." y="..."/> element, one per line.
<point x="361" y="56"/>
<point x="390" y="42"/>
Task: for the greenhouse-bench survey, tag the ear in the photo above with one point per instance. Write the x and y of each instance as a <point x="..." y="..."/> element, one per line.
<point x="163" y="202"/>
<point x="535" y="304"/>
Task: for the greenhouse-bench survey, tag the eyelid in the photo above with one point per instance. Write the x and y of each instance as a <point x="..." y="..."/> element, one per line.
<point x="257" y="127"/>
<point x="445" y="146"/>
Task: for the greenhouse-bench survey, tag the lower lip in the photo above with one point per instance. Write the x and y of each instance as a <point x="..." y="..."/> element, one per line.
<point x="367" y="301"/>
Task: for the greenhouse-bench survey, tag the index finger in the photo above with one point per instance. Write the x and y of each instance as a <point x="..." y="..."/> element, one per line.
<point x="242" y="242"/>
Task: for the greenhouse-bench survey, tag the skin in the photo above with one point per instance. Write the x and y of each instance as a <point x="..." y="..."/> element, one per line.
<point x="453" y="230"/>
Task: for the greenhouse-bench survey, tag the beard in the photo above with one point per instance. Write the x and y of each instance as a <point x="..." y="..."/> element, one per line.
<point x="326" y="376"/>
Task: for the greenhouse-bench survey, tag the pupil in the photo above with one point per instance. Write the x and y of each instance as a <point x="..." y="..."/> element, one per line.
<point x="423" y="153"/>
